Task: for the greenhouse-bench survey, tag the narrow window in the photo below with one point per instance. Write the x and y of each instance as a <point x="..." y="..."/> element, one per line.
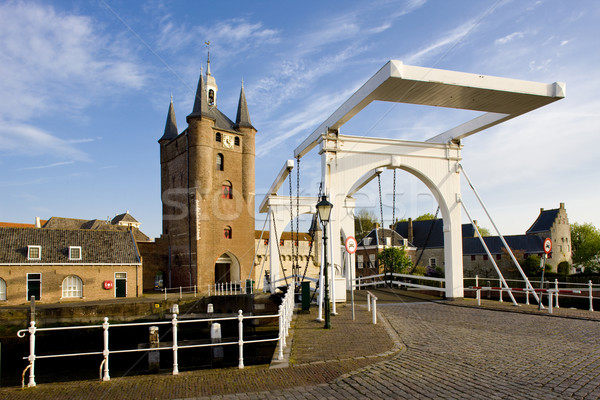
<point x="237" y="141"/>
<point x="433" y="262"/>
<point x="72" y="287"/>
<point x="282" y="242"/>
<point x="74" y="253"/>
<point x="498" y="256"/>
<point x="359" y="261"/>
<point x="2" y="289"/>
<point x="34" y="252"/>
<point x="227" y="232"/>
<point x="218" y="137"/>
<point x="220" y="164"/>
<point x="227" y="190"/>
<point x="34" y="286"/>
<point x="266" y="242"/>
<point x="473" y="257"/>
<point x="211" y="97"/>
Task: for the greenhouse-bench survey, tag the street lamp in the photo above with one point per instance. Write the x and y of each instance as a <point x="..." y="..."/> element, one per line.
<point x="324" y="210"/>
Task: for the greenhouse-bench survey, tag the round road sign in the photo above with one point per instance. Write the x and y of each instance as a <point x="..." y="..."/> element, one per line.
<point x="547" y="245"/>
<point x="351" y="244"/>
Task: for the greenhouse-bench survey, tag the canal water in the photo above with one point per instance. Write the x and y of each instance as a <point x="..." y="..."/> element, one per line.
<point x="91" y="340"/>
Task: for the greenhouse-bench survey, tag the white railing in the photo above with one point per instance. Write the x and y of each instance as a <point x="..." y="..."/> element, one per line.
<point x="180" y="291"/>
<point x="554" y="290"/>
<point x="375" y="280"/>
<point x="230" y="288"/>
<point x="285" y="315"/>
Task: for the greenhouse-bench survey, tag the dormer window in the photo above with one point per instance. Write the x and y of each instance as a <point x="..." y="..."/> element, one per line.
<point x="74" y="252"/>
<point x="34" y="252"/>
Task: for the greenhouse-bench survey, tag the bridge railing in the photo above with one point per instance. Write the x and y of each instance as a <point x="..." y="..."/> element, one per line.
<point x="284" y="315"/>
<point x="554" y="289"/>
<point x="400" y="280"/>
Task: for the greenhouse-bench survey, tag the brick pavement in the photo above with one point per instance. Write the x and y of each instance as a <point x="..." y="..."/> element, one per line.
<point x="418" y="350"/>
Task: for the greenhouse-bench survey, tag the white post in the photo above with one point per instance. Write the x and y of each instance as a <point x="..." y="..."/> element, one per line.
<point x="32" y="330"/>
<point x="105" y="352"/>
<point x="374" y="310"/>
<point x="180" y="292"/>
<point x="556" y="293"/>
<point x="591" y="295"/>
<point x="175" y="365"/>
<point x="165" y="289"/>
<point x="478" y="295"/>
<point x="550" y="294"/>
<point x="527" y="296"/>
<point x="195" y="290"/>
<point x="241" y="338"/>
<point x="368" y="301"/>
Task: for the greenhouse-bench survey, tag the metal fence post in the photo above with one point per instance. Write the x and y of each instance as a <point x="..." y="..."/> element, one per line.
<point x="105" y="351"/>
<point x="241" y="338"/>
<point x="281" y="338"/>
<point x="175" y="366"/>
<point x="556" y="293"/>
<point x="591" y="295"/>
<point x="527" y="296"/>
<point x="32" y="330"/>
<point x="368" y="301"/>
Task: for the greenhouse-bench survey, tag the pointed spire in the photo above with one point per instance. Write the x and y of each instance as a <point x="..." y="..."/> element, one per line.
<point x="171" y="131"/>
<point x="243" y="116"/>
<point x="200" y="102"/>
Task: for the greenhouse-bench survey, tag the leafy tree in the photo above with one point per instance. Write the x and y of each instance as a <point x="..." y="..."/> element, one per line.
<point x="585" y="241"/>
<point x="563" y="268"/>
<point x="395" y="259"/>
<point x="364" y="222"/>
<point x="531" y="265"/>
<point x="484" y="231"/>
<point x="425" y="217"/>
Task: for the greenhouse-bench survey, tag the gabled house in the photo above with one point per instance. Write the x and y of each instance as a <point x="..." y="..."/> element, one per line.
<point x="55" y="265"/>
<point x="372" y="244"/>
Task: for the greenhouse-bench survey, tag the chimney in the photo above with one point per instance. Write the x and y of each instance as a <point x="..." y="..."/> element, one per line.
<point x="38" y="222"/>
<point x="562" y="206"/>
<point x="411" y="236"/>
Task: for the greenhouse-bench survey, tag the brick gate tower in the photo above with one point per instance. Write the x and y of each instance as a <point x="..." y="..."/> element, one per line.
<point x="207" y="184"/>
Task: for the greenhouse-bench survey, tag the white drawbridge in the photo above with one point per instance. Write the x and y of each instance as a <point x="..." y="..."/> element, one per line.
<point x="349" y="162"/>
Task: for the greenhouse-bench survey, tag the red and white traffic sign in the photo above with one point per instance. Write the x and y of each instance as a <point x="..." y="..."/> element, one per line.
<point x="547" y="245"/>
<point x="351" y="244"/>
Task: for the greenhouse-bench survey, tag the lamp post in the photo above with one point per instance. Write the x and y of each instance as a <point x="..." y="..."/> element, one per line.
<point x="324" y="210"/>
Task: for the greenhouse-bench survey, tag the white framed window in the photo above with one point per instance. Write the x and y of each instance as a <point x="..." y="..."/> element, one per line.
<point x="359" y="261"/>
<point x="74" y="252"/>
<point x="34" y="252"/>
<point x="372" y="261"/>
<point x="2" y="289"/>
<point x="433" y="262"/>
<point x="72" y="287"/>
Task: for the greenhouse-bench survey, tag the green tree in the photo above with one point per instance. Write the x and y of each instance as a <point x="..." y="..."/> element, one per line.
<point x="395" y="259"/>
<point x="585" y="241"/>
<point x="484" y="231"/>
<point x="425" y="217"/>
<point x="364" y="222"/>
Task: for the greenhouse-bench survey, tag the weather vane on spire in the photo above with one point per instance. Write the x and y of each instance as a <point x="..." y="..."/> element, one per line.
<point x="208" y="48"/>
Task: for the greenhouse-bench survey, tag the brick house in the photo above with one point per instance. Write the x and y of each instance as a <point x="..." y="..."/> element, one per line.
<point x="57" y="265"/>
<point x="372" y="244"/>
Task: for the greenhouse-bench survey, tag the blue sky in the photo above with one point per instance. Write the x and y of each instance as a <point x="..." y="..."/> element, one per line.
<point x="86" y="86"/>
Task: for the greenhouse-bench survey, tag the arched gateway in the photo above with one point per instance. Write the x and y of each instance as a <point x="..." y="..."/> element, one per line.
<point x="349" y="162"/>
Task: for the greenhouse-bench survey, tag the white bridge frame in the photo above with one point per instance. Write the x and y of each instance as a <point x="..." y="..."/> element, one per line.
<point x="350" y="162"/>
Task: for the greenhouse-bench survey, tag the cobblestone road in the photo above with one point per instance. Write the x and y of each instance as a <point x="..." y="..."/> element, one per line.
<point x="468" y="353"/>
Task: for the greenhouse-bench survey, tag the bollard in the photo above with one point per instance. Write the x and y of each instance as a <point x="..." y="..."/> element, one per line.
<point x="368" y="301"/>
<point x="215" y="337"/>
<point x="153" y="356"/>
<point x="374" y="310"/>
<point x="527" y="296"/>
<point x="550" y="294"/>
<point x="281" y="338"/>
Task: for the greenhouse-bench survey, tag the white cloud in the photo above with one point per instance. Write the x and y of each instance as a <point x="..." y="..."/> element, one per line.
<point x="32" y="141"/>
<point x="55" y="63"/>
<point x="57" y="164"/>
<point x="509" y="38"/>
